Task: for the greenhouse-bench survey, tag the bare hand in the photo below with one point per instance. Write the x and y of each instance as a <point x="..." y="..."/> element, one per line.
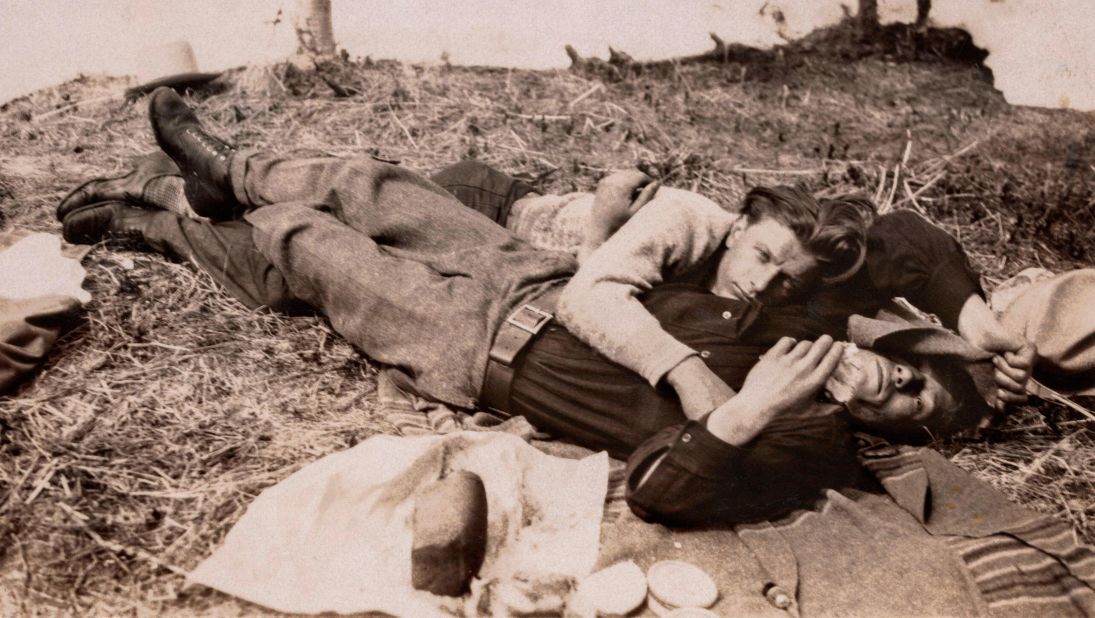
<point x="1012" y="374"/>
<point x="698" y="388"/>
<point x="619" y="196"/>
<point x="1014" y="357"/>
<point x="785" y="381"/>
<point x="790" y="374"/>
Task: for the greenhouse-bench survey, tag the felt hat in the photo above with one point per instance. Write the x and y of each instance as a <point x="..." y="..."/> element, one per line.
<point x="168" y="64"/>
<point x="899" y="333"/>
<point x="890" y="332"/>
<point x="894" y="333"/>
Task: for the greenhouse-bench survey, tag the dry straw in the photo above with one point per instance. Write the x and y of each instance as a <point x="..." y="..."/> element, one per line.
<point x="130" y="455"/>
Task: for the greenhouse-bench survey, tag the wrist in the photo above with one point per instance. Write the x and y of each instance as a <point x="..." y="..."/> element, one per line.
<point x="979" y="326"/>
<point x="678" y="376"/>
<point x="738" y="421"/>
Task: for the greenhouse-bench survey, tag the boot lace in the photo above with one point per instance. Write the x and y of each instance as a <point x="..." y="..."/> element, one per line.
<point x="210" y="144"/>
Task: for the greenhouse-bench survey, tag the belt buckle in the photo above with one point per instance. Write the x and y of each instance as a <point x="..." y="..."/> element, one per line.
<point x="540" y="318"/>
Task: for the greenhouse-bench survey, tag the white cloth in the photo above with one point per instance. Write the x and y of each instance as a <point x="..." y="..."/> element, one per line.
<point x="335" y="536"/>
<point x="34" y="266"/>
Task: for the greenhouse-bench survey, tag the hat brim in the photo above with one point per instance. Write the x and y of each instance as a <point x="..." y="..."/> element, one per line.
<point x="900" y="336"/>
<point x="178" y="81"/>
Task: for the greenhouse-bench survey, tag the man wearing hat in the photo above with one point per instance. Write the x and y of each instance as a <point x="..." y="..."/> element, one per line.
<point x="772" y="440"/>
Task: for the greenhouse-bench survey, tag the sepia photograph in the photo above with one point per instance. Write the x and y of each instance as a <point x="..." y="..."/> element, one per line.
<point x="565" y="308"/>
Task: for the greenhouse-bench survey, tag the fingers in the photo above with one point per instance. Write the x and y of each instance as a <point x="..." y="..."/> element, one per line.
<point x="829" y="361"/>
<point x="1010" y="397"/>
<point x="1007" y="382"/>
<point x="818" y="349"/>
<point x="645" y="195"/>
<point x="1022" y="358"/>
<point x="801" y="349"/>
<point x="1017" y="375"/>
<point x="782" y="347"/>
<point x="1005" y="399"/>
<point x="625" y="181"/>
<point x="808" y="352"/>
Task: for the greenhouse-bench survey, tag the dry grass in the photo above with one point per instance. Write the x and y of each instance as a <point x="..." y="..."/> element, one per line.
<point x="127" y="459"/>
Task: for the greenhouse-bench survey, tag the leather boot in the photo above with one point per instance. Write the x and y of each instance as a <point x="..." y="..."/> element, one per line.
<point x="128" y="188"/>
<point x="202" y="158"/>
<point x="115" y="221"/>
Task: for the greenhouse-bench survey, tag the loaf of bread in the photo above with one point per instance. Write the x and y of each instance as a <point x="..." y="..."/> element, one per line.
<point x="450" y="534"/>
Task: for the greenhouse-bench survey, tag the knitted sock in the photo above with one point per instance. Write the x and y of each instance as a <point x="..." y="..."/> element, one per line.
<point x="166" y="193"/>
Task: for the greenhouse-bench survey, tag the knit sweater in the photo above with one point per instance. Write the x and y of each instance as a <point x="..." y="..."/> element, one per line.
<point x="677" y="231"/>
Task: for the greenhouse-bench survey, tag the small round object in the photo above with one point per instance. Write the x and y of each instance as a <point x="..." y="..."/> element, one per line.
<point x="616" y="590"/>
<point x="726" y="315"/>
<point x="659" y="610"/>
<point x="691" y="612"/>
<point x="686" y="438"/>
<point x="705" y="354"/>
<point x="676" y="583"/>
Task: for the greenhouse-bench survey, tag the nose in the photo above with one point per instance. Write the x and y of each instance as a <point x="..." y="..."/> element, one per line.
<point x="906" y="378"/>
<point x="761" y="279"/>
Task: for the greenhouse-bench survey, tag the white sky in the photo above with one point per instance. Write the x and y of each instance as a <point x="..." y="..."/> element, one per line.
<point x="1042" y="50"/>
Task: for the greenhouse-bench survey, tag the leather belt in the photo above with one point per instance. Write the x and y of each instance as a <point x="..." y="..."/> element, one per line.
<point x="515" y="333"/>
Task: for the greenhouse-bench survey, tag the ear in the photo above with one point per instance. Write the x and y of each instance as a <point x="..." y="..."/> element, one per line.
<point x="736" y="229"/>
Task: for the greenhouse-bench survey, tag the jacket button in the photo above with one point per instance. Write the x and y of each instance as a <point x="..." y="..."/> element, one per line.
<point x="686" y="438"/>
<point x="777" y="597"/>
<point x="705" y="354"/>
<point x="726" y="315"/>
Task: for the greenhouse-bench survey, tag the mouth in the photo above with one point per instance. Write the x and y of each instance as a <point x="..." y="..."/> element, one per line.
<point x="883" y="379"/>
<point x="741" y="294"/>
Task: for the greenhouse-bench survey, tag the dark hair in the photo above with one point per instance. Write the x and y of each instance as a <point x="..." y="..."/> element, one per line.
<point x="833" y="230"/>
<point x="961" y="379"/>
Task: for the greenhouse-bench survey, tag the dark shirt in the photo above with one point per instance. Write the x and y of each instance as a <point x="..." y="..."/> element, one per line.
<point x="565" y="388"/>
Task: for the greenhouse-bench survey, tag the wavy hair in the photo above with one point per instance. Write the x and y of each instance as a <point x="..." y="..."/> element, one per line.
<point x="833" y="230"/>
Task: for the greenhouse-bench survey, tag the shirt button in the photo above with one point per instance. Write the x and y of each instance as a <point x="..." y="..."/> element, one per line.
<point x="726" y="315"/>
<point x="705" y="354"/>
<point x="686" y="438"/>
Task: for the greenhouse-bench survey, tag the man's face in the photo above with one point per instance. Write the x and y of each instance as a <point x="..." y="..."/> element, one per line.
<point x="891" y="392"/>
<point x="763" y="262"/>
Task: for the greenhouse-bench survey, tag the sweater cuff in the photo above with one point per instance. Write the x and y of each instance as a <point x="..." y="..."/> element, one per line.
<point x="951" y="284"/>
<point x="670" y="355"/>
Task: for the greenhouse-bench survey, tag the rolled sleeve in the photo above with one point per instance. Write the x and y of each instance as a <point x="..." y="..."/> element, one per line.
<point x="686" y="476"/>
<point x="681" y="471"/>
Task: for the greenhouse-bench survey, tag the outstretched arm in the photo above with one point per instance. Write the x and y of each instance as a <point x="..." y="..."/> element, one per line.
<point x="910" y="257"/>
